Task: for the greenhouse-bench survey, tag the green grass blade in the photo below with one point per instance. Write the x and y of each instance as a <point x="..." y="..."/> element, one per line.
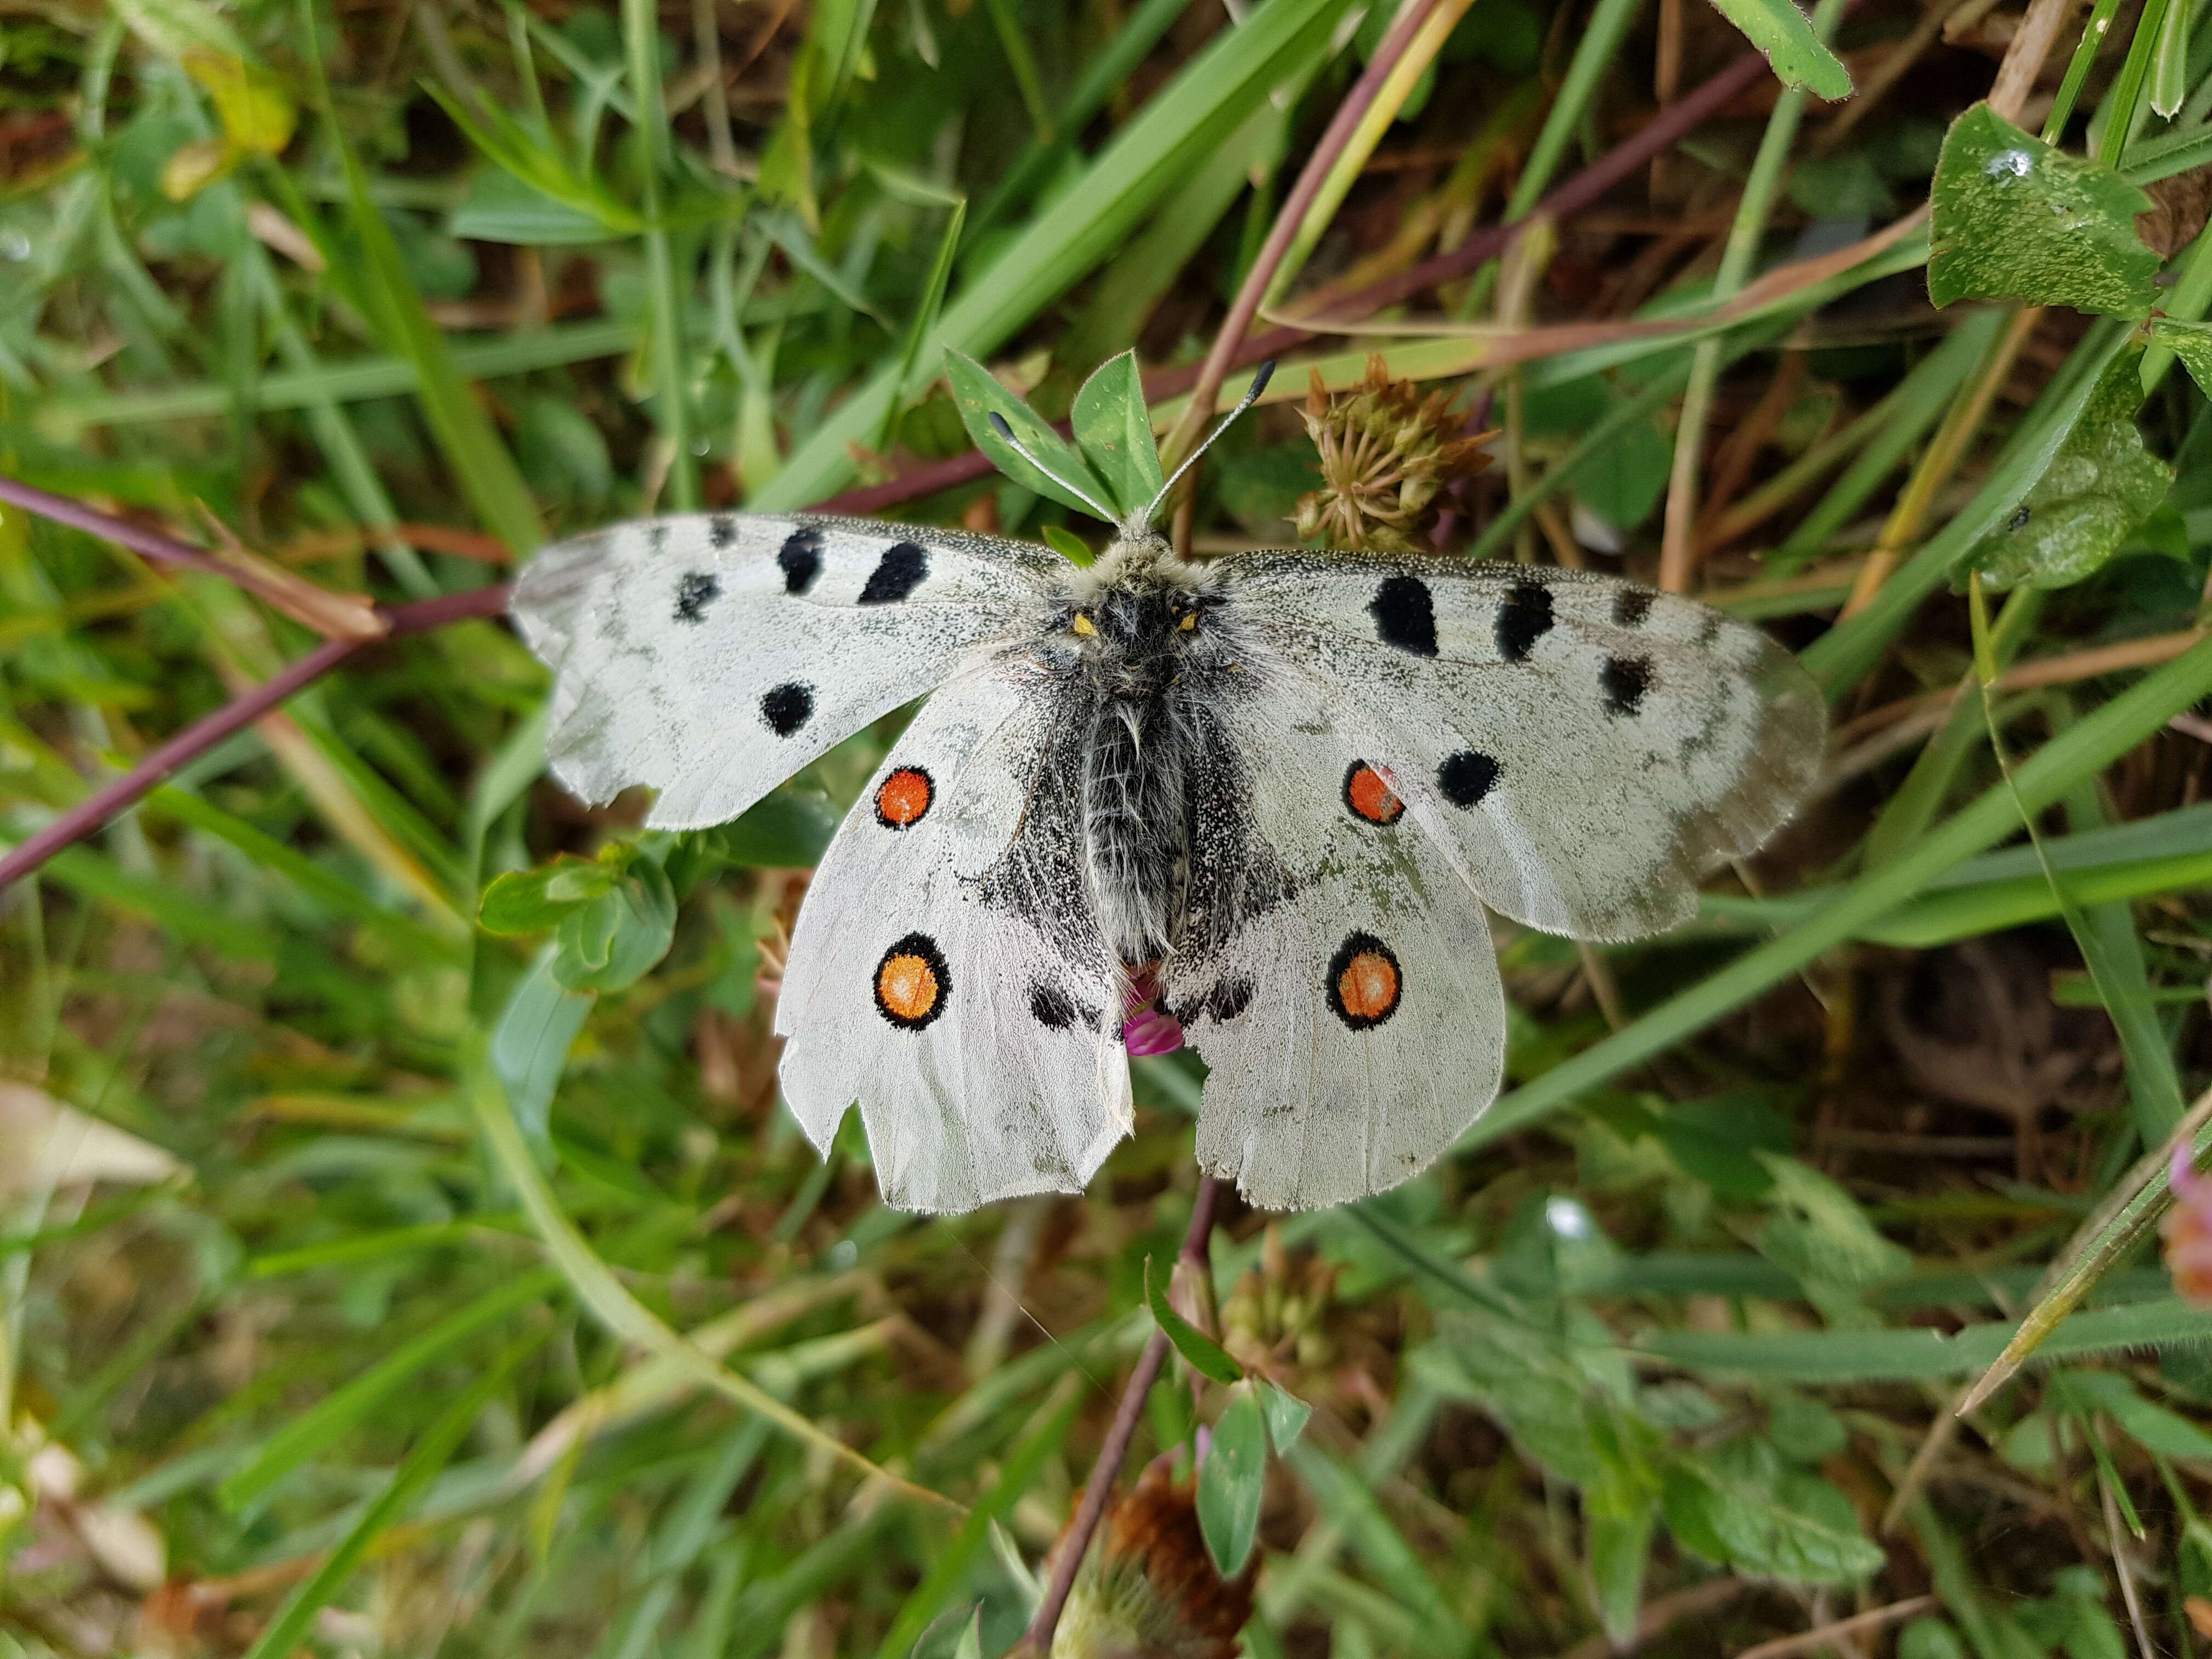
<point x="313" y="1433"/>
<point x="2122" y="1221"/>
<point x="288" y="1628"/>
<point x="1844" y="655"/>
<point x="1150" y="155"/>
<point x="623" y="1313"/>
<point x="471" y="444"/>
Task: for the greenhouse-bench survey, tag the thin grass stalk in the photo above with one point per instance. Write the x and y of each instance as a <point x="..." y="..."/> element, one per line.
<point x="1602" y="36"/>
<point x="1679" y="545"/>
<point x="1343" y="125"/>
<point x="671" y="404"/>
<point x="1405" y="73"/>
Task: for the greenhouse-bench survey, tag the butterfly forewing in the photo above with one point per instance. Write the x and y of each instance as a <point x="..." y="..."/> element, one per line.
<point x="973" y="1020"/>
<point x="1348" y="1006"/>
<point x="713" y="656"/>
<point x="1580" y="747"/>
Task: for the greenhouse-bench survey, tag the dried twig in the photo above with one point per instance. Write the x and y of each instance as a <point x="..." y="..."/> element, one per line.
<point x="1873" y="1619"/>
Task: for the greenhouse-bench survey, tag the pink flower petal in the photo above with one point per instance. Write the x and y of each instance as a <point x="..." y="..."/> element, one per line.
<point x="1149" y="1031"/>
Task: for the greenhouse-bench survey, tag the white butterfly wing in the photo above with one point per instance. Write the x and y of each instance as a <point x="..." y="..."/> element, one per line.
<point x="1336" y="975"/>
<point x="713" y="656"/>
<point x="946" y="972"/>
<point x="1580" y="748"/>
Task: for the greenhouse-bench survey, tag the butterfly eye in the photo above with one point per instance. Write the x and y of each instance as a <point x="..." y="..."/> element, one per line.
<point x="1083" y="624"/>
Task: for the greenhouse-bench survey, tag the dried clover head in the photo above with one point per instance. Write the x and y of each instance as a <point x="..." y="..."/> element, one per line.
<point x="1386" y="454"/>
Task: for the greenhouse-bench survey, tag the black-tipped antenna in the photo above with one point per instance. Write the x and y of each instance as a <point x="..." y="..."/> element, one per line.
<point x="1006" y="434"/>
<point x="1251" y="396"/>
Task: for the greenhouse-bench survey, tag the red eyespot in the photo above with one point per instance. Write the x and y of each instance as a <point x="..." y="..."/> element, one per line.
<point x="1370" y="796"/>
<point x="904" y="797"/>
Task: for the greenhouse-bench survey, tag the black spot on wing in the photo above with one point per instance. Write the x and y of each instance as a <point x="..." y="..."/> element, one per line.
<point x="1405" y="614"/>
<point x="1467" y="777"/>
<point x="800" y="558"/>
<point x="1625" y="680"/>
<point x="1631" y="605"/>
<point x="695" y="591"/>
<point x="788" y="707"/>
<point x="902" y="569"/>
<point x="722" y="532"/>
<point x="1052" y="1007"/>
<point x="1524" y="618"/>
<point x="1230" y="998"/>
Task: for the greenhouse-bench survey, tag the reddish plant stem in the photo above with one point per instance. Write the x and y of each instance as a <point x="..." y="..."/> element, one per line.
<point x="195" y="740"/>
<point x="204" y="734"/>
<point x="1076" y="1543"/>
<point x="1662" y="132"/>
<point x="1246" y="306"/>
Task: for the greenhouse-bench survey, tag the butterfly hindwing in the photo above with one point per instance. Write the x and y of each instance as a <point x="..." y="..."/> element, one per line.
<point x="972" y="1016"/>
<point x="711" y="656"/>
<point x="1580" y="748"/>
<point x="1339" y="981"/>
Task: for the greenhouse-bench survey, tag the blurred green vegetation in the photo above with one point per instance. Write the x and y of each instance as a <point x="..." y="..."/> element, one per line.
<point x="373" y="1118"/>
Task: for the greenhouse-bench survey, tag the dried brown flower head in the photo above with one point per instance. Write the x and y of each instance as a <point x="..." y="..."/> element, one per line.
<point x="1148" y="1589"/>
<point x="1386" y="453"/>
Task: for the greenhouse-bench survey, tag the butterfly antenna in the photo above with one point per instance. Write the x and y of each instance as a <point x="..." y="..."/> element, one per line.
<point x="1251" y="396"/>
<point x="1007" y="436"/>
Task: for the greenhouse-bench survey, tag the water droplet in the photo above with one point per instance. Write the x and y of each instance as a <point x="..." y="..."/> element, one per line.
<point x="843" y="1254"/>
<point x="14" y="244"/>
<point x="1568" y="1218"/>
<point x="2009" y="164"/>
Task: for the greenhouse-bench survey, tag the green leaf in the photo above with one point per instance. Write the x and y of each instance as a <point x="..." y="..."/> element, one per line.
<point x="2149" y="1425"/>
<point x="530" y="1046"/>
<point x="1619" y="1525"/>
<point x="1741" y="1505"/>
<point x="2100" y="484"/>
<point x="2017" y="219"/>
<point x="616" y="938"/>
<point x="979" y="396"/>
<point x="1286" y="1416"/>
<point x="2191" y="342"/>
<point x="502" y="208"/>
<point x="1070" y="546"/>
<point x="1818" y="1232"/>
<point x="1232" y="1481"/>
<point x="787" y="830"/>
<point x="1206" y="1357"/>
<point x="1785" y="33"/>
<point x="523" y="902"/>
<point x="1114" y="434"/>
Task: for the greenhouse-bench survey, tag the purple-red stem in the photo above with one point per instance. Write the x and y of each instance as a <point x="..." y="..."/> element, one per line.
<point x="1246" y="306"/>
<point x="195" y="739"/>
<point x="1076" y="1544"/>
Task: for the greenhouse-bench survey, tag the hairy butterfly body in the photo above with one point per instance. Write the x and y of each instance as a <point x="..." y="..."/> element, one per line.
<point x="1267" y="792"/>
